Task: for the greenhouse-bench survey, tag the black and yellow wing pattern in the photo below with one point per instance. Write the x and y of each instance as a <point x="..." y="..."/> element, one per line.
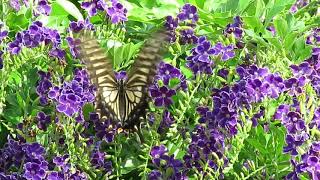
<point x="123" y="100"/>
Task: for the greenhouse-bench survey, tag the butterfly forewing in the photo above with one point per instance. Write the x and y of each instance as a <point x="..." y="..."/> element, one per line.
<point x="101" y="75"/>
<point x="141" y="75"/>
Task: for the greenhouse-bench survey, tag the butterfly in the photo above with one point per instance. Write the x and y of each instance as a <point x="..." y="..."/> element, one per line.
<point x="123" y="100"/>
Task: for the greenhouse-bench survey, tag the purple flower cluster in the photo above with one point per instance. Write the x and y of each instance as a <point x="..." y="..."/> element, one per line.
<point x="168" y="163"/>
<point x="28" y="156"/>
<point x="105" y="130"/>
<point x="77" y="27"/>
<point x="314" y="37"/>
<point x="206" y="146"/>
<point x="200" y="60"/>
<point x="167" y="121"/>
<point x="117" y="12"/>
<point x="98" y="161"/>
<point x="187" y="17"/>
<point x="297" y="134"/>
<point x="167" y="82"/>
<point x="235" y="28"/>
<point x="310" y="163"/>
<point x="80" y="25"/>
<point x="3" y="35"/>
<point x="42" y="7"/>
<point x="43" y="87"/>
<point x="1" y="59"/>
<point x="73" y="95"/>
<point x="307" y="71"/>
<point x="114" y="10"/>
<point x="15" y="4"/>
<point x="93" y="6"/>
<point x="43" y="121"/>
<point x="315" y="123"/>
<point x="73" y="44"/>
<point x="34" y="36"/>
<point x="255" y="84"/>
<point x="63" y="170"/>
<point x="298" y="5"/>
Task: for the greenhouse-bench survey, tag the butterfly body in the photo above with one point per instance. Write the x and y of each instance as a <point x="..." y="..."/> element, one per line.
<point x="122" y="98"/>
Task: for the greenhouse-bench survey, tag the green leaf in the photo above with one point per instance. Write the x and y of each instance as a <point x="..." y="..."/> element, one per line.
<point x="289" y="40"/>
<point x="281" y="27"/>
<point x="253" y="22"/>
<point x="174" y="82"/>
<point x="243" y="4"/>
<point x="70" y="8"/>
<point x="255" y="143"/>
<point x="186" y="71"/>
<point x="17" y="22"/>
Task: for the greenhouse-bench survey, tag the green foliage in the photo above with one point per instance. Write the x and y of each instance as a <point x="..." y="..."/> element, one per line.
<point x="260" y="147"/>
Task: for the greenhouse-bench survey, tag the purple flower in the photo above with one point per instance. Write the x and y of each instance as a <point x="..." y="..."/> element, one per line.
<point x="297" y="169"/>
<point x="97" y="159"/>
<point x="54" y="175"/>
<point x="167" y="73"/>
<point x="235" y="28"/>
<point x="34" y="36"/>
<point x="162" y="96"/>
<point x="155" y="175"/>
<point x="34" y="150"/>
<point x="105" y="130"/>
<point x="73" y="44"/>
<point x="157" y="153"/>
<point x="311" y="162"/>
<point x="281" y="112"/>
<point x="43" y="8"/>
<point x="122" y="75"/>
<point x="187" y="37"/>
<point x="14" y="47"/>
<point x="3" y="33"/>
<point x="15" y="4"/>
<point x="44" y="84"/>
<point x="223" y="73"/>
<point x="171" y="23"/>
<point x="295" y="85"/>
<point x="200" y="61"/>
<point x="272" y="30"/>
<point x="298" y="5"/>
<point x="1" y="60"/>
<point x="34" y="171"/>
<point x="58" y="53"/>
<point x="43" y="121"/>
<point x="167" y="121"/>
<point x="93" y="6"/>
<point x="117" y="12"/>
<point x="80" y="25"/>
<point x="314" y="37"/>
<point x="225" y="52"/>
<point x="73" y="95"/>
<point x="188" y="12"/>
<point x="316" y="119"/>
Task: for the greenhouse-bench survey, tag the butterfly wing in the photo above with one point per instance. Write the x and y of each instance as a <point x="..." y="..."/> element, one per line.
<point x="140" y="76"/>
<point x="101" y="75"/>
